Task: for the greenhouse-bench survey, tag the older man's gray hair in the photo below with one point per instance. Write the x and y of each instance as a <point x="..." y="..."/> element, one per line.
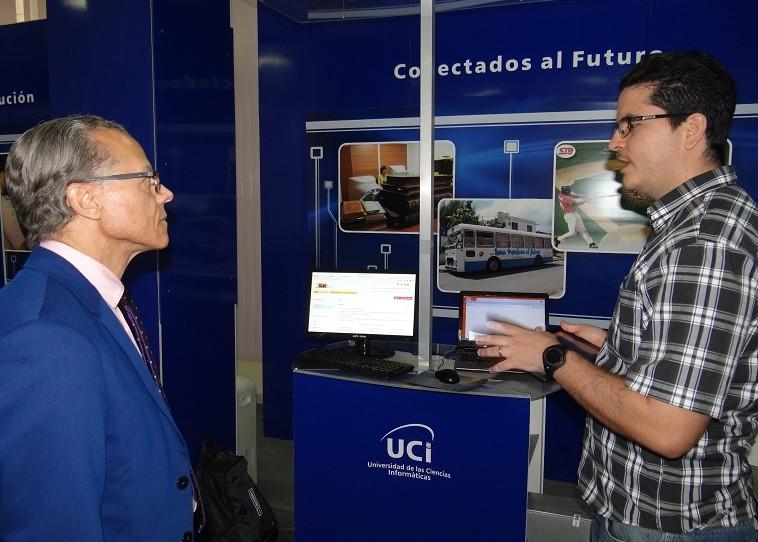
<point x="44" y="161"/>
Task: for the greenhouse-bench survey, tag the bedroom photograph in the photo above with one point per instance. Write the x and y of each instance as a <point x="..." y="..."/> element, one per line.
<point x="379" y="184"/>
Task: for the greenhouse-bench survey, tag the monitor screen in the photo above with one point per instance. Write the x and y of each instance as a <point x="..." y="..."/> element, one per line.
<point x="476" y="308"/>
<point x="363" y="304"/>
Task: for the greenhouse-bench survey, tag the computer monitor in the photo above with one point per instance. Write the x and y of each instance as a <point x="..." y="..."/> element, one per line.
<point x="362" y="306"/>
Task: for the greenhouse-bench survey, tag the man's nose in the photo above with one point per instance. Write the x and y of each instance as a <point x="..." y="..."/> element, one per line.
<point x="616" y="141"/>
<point x="165" y="195"/>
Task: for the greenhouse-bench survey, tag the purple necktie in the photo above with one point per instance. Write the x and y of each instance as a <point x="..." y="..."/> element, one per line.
<point x="132" y="317"/>
<point x="133" y="320"/>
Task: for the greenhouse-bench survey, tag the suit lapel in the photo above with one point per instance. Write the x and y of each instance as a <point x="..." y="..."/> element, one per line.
<point x="117" y="331"/>
<point x="58" y="268"/>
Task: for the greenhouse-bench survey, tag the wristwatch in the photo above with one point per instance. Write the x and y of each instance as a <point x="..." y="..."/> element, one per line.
<point x="553" y="358"/>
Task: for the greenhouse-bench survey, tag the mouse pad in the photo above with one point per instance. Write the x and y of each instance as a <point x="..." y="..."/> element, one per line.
<point x="428" y="380"/>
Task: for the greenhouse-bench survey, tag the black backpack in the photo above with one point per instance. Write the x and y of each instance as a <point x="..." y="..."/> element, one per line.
<point x="235" y="509"/>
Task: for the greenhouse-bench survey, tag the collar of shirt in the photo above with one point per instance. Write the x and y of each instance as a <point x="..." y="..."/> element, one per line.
<point x="663" y="211"/>
<point x="105" y="282"/>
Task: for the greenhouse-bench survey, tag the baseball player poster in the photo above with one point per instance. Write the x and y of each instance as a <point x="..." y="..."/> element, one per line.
<point x="593" y="212"/>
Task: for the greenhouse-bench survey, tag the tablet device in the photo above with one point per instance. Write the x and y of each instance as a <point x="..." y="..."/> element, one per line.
<point x="584" y="348"/>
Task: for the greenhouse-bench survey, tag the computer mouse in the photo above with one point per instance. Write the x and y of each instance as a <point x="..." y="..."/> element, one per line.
<point x="448" y="376"/>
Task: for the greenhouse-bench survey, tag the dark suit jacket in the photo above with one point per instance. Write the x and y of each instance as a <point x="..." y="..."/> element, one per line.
<point x="88" y="449"/>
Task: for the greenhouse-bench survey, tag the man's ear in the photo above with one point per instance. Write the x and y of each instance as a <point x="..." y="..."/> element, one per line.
<point x="695" y="128"/>
<point x="82" y="199"/>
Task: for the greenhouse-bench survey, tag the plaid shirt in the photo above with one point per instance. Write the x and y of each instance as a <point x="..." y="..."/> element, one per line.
<point x="685" y="331"/>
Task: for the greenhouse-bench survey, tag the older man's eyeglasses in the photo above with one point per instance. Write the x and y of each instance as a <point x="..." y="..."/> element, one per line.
<point x="152" y="177"/>
<point x="625" y="124"/>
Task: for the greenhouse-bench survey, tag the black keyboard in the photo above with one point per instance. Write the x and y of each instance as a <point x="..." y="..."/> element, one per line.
<point x="352" y="361"/>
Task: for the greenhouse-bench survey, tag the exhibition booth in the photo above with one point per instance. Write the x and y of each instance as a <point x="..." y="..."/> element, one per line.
<point x="320" y="110"/>
<point x="524" y="104"/>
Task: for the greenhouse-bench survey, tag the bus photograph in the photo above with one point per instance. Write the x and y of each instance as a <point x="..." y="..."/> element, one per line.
<point x="491" y="245"/>
<point x="472" y="248"/>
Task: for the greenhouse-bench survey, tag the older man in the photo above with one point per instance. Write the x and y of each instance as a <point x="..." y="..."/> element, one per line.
<point x="673" y="396"/>
<point x="88" y="448"/>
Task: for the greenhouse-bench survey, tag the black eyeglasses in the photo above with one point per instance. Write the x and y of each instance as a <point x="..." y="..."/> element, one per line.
<point x="152" y="177"/>
<point x="625" y="124"/>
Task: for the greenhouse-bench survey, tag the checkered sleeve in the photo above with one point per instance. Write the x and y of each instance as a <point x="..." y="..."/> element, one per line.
<point x="698" y="303"/>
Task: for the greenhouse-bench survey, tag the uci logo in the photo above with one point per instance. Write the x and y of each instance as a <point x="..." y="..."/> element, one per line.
<point x="417" y="450"/>
<point x="565" y="151"/>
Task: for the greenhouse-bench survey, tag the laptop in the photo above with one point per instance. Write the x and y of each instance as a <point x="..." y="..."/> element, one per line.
<point x="475" y="309"/>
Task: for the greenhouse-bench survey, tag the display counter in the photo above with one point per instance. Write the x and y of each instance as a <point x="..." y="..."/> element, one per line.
<point x="396" y="460"/>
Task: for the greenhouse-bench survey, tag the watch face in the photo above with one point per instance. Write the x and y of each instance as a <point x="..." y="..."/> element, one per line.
<point x="553" y="356"/>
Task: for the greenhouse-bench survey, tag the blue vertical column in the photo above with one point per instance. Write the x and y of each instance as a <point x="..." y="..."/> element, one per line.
<point x="194" y="98"/>
<point x="285" y="210"/>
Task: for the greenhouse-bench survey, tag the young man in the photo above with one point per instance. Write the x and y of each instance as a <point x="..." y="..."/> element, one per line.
<point x="672" y="396"/>
<point x="88" y="448"/>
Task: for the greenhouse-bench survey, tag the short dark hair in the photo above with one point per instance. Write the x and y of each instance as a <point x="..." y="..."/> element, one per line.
<point x="690" y="82"/>
<point x="44" y="161"/>
<point x="565" y="189"/>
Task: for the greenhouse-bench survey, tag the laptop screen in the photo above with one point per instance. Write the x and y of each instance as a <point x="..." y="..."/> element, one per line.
<point x="477" y="308"/>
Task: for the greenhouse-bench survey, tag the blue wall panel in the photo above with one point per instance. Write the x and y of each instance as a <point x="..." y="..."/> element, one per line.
<point x="24" y="74"/>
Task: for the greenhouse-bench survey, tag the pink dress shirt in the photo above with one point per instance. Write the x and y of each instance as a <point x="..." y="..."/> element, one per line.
<point x="105" y="282"/>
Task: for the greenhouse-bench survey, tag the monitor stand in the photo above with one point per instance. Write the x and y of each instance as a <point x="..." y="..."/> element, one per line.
<point x="364" y="349"/>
